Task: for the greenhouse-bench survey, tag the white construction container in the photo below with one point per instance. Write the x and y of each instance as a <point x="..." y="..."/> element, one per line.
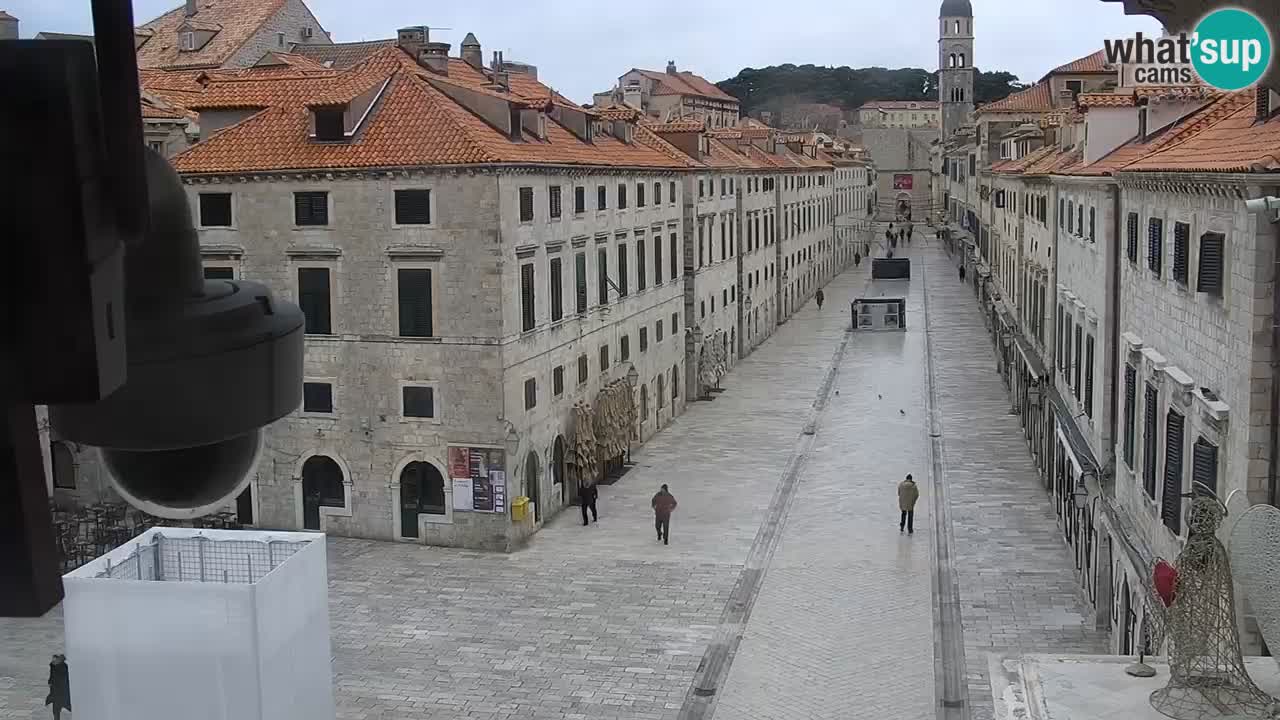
<point x="202" y="625"/>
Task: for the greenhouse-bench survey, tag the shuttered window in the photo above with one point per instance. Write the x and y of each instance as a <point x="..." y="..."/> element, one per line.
<point x="215" y="209"/>
<point x="413" y="207"/>
<point x="1080" y="220"/>
<point x="530" y="393"/>
<point x="414" y="287"/>
<point x="1071" y="216"/>
<point x="557" y="290"/>
<point x="1204" y="465"/>
<point x="602" y="276"/>
<point x="580" y="281"/>
<point x="1066" y="353"/>
<point x="553" y="201"/>
<point x="313" y="298"/>
<point x="526" y="204"/>
<point x="1210" y="271"/>
<point x="657" y="257"/>
<point x="604" y="358"/>
<point x="675" y="323"/>
<point x="1155" y="245"/>
<point x="622" y="196"/>
<point x="624" y="348"/>
<point x="528" y="314"/>
<point x="642" y="279"/>
<point x="657" y="193"/>
<point x="644" y="339"/>
<point x="621" y="280"/>
<point x="1079" y="366"/>
<point x="671" y="192"/>
<point x="1057" y="354"/>
<point x="1150" y="428"/>
<point x="579" y="200"/>
<point x="311" y="208"/>
<point x="1093" y="224"/>
<point x="1171" y="495"/>
<point x="658" y="332"/>
<point x="602" y="198"/>
<point x="1131" y="238"/>
<point x="1088" y="376"/>
<point x="557" y="380"/>
<point x="1181" y="252"/>
<point x="582" y="369"/>
<point x="639" y="195"/>
<point x="1130" y="408"/>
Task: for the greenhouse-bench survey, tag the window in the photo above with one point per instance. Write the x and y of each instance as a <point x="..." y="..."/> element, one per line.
<point x="973" y="165"/>
<point x="701" y="189"/>
<point x="1066" y="351"/>
<point x="657" y="259"/>
<point x="1093" y="224"/>
<point x="1071" y="214"/>
<point x="219" y="273"/>
<point x="602" y="198"/>
<point x="413" y="207"/>
<point x="1171" y="495"/>
<point x="671" y="192"/>
<point x="580" y="281"/>
<point x="526" y="204"/>
<point x="528" y="315"/>
<point x="553" y="201"/>
<point x="215" y="209"/>
<point x="675" y="383"/>
<point x="602" y="276"/>
<point x="530" y="393"/>
<point x="1155" y="245"/>
<point x="639" y="195"/>
<point x="604" y="358"/>
<point x="187" y="40"/>
<point x="1088" y="376"/>
<point x="1181" y="252"/>
<point x="557" y="290"/>
<point x="657" y="332"/>
<point x="317" y="397"/>
<point x="624" y="348"/>
<point x="644" y="339"/>
<point x="419" y="401"/>
<point x="414" y="288"/>
<point x="330" y="124"/>
<point x="579" y="200"/>
<point x="1150" y="427"/>
<point x="1080" y="220"/>
<point x="657" y="193"/>
<point x="1062" y="213"/>
<point x="641" y="279"/>
<point x="582" y="369"/>
<point x="313" y="297"/>
<point x="1131" y="238"/>
<point x="622" y="196"/>
<point x="702" y="309"/>
<point x="1079" y="352"/>
<point x="311" y="208"/>
<point x="557" y="380"/>
<point x="675" y="323"/>
<point x="622" y="270"/>
<point x="1209" y="273"/>
<point x="1204" y="465"/>
<point x="64" y="466"/>
<point x="1130" y="407"/>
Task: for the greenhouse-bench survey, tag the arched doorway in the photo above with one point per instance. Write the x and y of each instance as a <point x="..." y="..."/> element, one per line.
<point x="559" y="471"/>
<point x="644" y="403"/>
<point x="421" y="492"/>
<point x="322" y="486"/>
<point x="662" y="391"/>
<point x="531" y="484"/>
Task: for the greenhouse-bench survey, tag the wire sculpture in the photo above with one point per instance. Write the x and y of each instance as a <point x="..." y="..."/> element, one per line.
<point x="1254" y="540"/>
<point x="1197" y="618"/>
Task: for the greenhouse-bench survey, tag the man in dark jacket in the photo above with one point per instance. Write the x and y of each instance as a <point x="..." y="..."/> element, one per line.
<point x="664" y="503"/>
<point x="59" y="686"/>
<point x="587" y="496"/>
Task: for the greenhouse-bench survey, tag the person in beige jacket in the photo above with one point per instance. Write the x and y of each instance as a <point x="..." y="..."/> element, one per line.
<point x="908" y="494"/>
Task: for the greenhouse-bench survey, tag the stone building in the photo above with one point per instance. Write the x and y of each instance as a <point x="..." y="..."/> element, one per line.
<point x="672" y="95"/>
<point x="212" y="34"/>
<point x="955" y="65"/>
<point x="899" y="114"/>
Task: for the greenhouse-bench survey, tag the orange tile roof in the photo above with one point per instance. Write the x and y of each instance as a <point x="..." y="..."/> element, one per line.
<point x="1106" y="99"/>
<point x="1224" y="137"/>
<point x="1034" y="99"/>
<point x="341" y="56"/>
<point x="684" y="83"/>
<point x="1095" y="62"/>
<point x="1178" y="92"/>
<point x="1057" y="162"/>
<point x="1021" y="164"/>
<point x="413" y="124"/>
<point x="235" y="21"/>
<point x="676" y="126"/>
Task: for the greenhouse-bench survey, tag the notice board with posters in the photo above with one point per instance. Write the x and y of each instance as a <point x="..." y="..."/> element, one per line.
<point x="903" y="181"/>
<point x="481" y="475"/>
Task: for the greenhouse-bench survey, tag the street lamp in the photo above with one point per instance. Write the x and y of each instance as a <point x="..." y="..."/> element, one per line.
<point x="1080" y="495"/>
<point x="512" y="443"/>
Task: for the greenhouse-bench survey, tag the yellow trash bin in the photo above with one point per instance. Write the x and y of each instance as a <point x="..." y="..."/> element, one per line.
<point x="519" y="508"/>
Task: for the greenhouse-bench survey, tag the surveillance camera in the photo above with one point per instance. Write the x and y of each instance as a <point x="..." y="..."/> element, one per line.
<point x="210" y="363"/>
<point x="1262" y="204"/>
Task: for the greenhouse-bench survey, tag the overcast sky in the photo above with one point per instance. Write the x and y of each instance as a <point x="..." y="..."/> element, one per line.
<point x="582" y="47"/>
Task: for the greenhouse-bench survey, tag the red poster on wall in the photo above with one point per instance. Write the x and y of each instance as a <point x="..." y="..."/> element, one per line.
<point x="903" y="181"/>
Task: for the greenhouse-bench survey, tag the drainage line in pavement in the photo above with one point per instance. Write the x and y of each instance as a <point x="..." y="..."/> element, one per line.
<point x="699" y="702"/>
<point x="948" y="634"/>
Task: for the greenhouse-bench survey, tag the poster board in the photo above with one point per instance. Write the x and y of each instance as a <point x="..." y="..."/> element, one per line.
<point x="903" y="181"/>
<point x="483" y="472"/>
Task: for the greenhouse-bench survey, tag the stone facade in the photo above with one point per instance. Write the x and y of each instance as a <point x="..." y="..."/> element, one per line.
<point x="292" y="25"/>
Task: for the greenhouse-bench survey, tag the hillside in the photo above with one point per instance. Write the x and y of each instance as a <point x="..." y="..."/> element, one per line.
<point x="781" y="88"/>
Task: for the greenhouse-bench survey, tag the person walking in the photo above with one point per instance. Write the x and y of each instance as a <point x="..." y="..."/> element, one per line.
<point x="962" y="272"/>
<point x="857" y="259"/>
<point x="908" y="494"/>
<point x="819" y="296"/>
<point x="910" y="229"/>
<point x="587" y="497"/>
<point x="664" y="503"/>
<point x="59" y="697"/>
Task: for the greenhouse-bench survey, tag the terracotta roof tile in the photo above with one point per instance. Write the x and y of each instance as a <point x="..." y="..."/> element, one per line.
<point x="341" y="56"/>
<point x="1095" y="62"/>
<point x="676" y="126"/>
<point x="684" y="83"/>
<point x="235" y="20"/>
<point x="1034" y="99"/>
<point x="1126" y="99"/>
<point x="1020" y="165"/>
<point x="1056" y="163"/>
<point x="1224" y="138"/>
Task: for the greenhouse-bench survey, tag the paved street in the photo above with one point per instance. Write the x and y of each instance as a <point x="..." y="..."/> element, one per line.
<point x="603" y="622"/>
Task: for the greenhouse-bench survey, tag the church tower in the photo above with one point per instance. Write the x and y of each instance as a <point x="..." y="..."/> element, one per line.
<point x="955" y="64"/>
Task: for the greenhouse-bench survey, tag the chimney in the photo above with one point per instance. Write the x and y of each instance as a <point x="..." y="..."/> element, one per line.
<point x="671" y="67"/>
<point x="411" y="39"/>
<point x="500" y="77"/>
<point x="471" y="52"/>
<point x="191" y="8"/>
<point x="435" y="57"/>
<point x="8" y="26"/>
<point x="1263" y="104"/>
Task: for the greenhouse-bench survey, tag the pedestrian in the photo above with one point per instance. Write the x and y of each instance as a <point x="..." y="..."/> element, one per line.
<point x="664" y="503"/>
<point x="59" y="686"/>
<point x="819" y="296"/>
<point x="908" y="494"/>
<point x="910" y="229"/>
<point x="857" y="259"/>
<point x="962" y="272"/>
<point x="587" y="495"/>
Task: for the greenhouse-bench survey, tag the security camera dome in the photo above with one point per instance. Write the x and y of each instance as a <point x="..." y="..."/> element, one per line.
<point x="210" y="364"/>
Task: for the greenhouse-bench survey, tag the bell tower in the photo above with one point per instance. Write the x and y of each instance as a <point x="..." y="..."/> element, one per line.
<point x="955" y="64"/>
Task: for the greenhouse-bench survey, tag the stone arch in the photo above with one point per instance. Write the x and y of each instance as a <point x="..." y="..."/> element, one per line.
<point x="961" y="61"/>
<point x="531" y="489"/>
<point x="951" y="60"/>
<point x="395" y="485"/>
<point x="318" y="477"/>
